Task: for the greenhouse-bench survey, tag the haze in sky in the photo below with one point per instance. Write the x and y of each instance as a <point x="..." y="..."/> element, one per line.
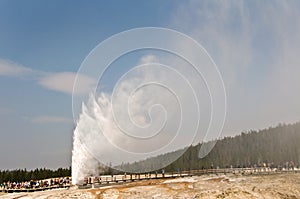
<point x="255" y="45"/>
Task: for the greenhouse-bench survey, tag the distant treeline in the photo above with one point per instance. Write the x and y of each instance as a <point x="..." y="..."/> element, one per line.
<point x="274" y="146"/>
<point x="22" y="175"/>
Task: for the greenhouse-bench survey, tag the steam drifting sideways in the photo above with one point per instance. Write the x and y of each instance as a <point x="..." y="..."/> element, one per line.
<point x="153" y="108"/>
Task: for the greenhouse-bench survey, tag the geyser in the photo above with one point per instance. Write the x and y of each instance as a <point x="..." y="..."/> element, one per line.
<point x="153" y="108"/>
<point x="145" y="115"/>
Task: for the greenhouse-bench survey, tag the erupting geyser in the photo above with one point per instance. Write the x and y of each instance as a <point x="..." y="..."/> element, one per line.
<point x="146" y="115"/>
<point x="153" y="108"/>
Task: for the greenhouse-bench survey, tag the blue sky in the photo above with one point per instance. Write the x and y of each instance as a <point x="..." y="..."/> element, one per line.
<point x="53" y="36"/>
<point x="43" y="43"/>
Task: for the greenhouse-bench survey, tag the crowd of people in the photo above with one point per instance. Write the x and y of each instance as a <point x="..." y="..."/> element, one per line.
<point x="35" y="184"/>
<point x="289" y="165"/>
<point x="61" y="182"/>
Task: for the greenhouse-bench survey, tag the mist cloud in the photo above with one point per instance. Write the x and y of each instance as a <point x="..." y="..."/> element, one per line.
<point x="255" y="45"/>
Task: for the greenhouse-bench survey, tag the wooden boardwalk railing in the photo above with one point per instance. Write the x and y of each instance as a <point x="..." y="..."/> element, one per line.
<point x="98" y="181"/>
<point x="92" y="182"/>
<point x="8" y="190"/>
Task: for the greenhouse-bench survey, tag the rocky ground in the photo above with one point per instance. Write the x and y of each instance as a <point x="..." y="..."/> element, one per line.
<point x="213" y="186"/>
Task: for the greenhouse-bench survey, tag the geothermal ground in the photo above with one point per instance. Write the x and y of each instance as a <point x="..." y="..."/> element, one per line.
<point x="210" y="186"/>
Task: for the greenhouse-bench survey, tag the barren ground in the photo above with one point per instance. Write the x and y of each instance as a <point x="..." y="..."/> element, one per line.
<point x="212" y="186"/>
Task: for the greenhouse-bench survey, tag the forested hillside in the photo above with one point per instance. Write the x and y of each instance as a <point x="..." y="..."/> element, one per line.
<point x="22" y="175"/>
<point x="276" y="146"/>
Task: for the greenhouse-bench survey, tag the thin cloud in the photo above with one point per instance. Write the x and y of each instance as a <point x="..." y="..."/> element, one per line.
<point x="148" y="59"/>
<point x="5" y="111"/>
<point x="8" y="68"/>
<point x="50" y="119"/>
<point x="63" y="82"/>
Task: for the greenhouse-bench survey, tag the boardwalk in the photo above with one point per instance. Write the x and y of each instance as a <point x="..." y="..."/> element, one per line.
<point x="108" y="180"/>
<point x="35" y="189"/>
<point x="94" y="182"/>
